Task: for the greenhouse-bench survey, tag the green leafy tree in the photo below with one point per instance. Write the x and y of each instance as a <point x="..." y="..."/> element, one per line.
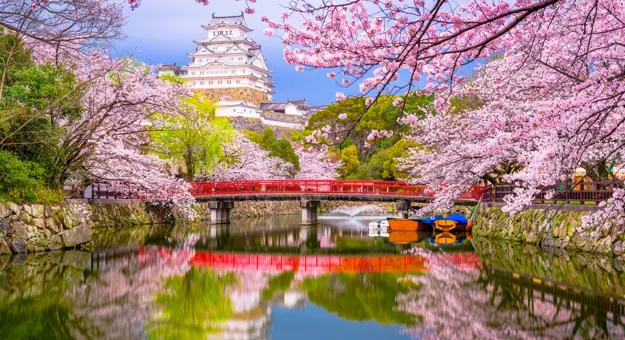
<point x="359" y="297"/>
<point x="192" y="305"/>
<point x="192" y="141"/>
<point x="349" y="159"/>
<point x="34" y="99"/>
<point x="351" y="122"/>
<point x="13" y="56"/>
<point x="386" y="162"/>
<point x="19" y="176"/>
<point x="278" y="283"/>
<point x="277" y="147"/>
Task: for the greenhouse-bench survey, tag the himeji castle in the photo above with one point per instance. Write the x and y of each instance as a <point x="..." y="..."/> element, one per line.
<point x="229" y="69"/>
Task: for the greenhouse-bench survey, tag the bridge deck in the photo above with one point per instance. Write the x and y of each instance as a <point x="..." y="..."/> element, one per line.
<point x="337" y="190"/>
<point x="322" y="197"/>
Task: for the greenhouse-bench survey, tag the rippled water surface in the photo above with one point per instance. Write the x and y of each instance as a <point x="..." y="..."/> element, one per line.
<point x="274" y="279"/>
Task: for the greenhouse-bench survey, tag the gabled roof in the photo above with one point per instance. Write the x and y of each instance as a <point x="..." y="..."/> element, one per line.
<point x="175" y="69"/>
<point x="300" y="104"/>
<point x="233" y="20"/>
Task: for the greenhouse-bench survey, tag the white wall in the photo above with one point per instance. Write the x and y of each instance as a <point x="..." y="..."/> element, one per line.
<point x="237" y="111"/>
<point x="291" y="109"/>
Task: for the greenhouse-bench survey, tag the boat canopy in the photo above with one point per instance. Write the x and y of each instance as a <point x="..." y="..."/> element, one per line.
<point x="429" y="220"/>
<point x="458" y="218"/>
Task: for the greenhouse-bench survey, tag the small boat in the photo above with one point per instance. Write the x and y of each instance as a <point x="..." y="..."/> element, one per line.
<point x="405" y="224"/>
<point x="378" y="225"/>
<point x="453" y="222"/>
<point x="412" y="224"/>
<point x="448" y="238"/>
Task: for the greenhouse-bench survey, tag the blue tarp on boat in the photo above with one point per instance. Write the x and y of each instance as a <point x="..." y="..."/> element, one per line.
<point x="458" y="218"/>
<point x="429" y="220"/>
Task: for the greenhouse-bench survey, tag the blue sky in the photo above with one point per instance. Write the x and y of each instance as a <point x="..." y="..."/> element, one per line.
<point x="162" y="32"/>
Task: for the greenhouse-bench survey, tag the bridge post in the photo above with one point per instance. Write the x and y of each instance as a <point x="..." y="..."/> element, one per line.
<point x="310" y="211"/>
<point x="403" y="208"/>
<point x="220" y="211"/>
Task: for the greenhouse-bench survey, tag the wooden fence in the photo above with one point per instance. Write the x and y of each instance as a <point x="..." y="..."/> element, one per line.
<point x="564" y="192"/>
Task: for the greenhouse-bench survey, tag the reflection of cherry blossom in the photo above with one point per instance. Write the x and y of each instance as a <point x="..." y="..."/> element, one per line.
<point x="454" y="304"/>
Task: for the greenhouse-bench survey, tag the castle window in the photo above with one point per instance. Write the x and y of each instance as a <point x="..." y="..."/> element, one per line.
<point x="219" y="82"/>
<point x="201" y="73"/>
<point x="234" y="71"/>
<point x="229" y="81"/>
<point x="210" y="82"/>
<point x="201" y="83"/>
<point x="238" y="82"/>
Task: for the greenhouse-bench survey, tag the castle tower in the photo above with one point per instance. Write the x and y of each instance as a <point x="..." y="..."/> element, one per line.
<point x="227" y="66"/>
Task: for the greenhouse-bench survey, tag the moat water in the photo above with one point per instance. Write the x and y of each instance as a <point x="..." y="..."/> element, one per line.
<point x="272" y="278"/>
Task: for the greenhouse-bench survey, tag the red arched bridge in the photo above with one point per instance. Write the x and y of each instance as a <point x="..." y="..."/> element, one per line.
<point x="222" y="195"/>
<point x="340" y="190"/>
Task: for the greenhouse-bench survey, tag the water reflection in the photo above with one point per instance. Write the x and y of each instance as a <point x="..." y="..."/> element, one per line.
<point x="297" y="286"/>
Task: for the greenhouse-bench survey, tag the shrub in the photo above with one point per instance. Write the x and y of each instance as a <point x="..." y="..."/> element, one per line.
<point x="18" y="174"/>
<point x="39" y="196"/>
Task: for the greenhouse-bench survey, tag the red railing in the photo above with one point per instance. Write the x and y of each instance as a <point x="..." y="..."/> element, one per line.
<point x="332" y="187"/>
<point x="564" y="192"/>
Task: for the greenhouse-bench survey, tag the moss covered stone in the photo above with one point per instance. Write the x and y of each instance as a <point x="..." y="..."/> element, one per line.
<point x="550" y="228"/>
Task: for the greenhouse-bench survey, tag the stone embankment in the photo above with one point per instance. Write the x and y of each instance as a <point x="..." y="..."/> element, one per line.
<point x="270" y="208"/>
<point x="37" y="228"/>
<point x="549" y="228"/>
<point x="589" y="271"/>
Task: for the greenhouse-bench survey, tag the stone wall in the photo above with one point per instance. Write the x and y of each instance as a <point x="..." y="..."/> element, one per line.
<point x="243" y="123"/>
<point x="247" y="94"/>
<point x="590" y="271"/>
<point x="548" y="228"/>
<point x="37" y="228"/>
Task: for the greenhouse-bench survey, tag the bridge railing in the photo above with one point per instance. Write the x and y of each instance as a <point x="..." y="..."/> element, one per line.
<point x="203" y="189"/>
<point x="564" y="192"/>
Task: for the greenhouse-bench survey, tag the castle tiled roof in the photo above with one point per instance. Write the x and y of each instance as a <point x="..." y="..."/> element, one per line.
<point x="233" y="20"/>
<point x="175" y="69"/>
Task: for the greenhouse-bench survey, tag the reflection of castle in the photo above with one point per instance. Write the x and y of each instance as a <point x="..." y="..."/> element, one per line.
<point x="230" y="69"/>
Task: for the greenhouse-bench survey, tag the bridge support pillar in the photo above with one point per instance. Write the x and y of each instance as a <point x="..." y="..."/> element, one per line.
<point x="220" y="211"/>
<point x="403" y="208"/>
<point x="310" y="211"/>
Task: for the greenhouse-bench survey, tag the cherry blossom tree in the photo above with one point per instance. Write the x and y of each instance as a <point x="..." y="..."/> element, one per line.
<point x="552" y="98"/>
<point x="316" y="163"/>
<point x="245" y="160"/>
<point x="75" y="26"/>
<point x="106" y="143"/>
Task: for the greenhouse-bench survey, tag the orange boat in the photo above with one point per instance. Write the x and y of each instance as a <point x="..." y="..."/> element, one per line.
<point x="406" y="237"/>
<point x="445" y="238"/>
<point x="457" y="224"/>
<point x="404" y="224"/>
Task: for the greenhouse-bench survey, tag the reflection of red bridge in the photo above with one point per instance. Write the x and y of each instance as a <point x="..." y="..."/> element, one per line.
<point x="321" y="264"/>
<point x="330" y="264"/>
